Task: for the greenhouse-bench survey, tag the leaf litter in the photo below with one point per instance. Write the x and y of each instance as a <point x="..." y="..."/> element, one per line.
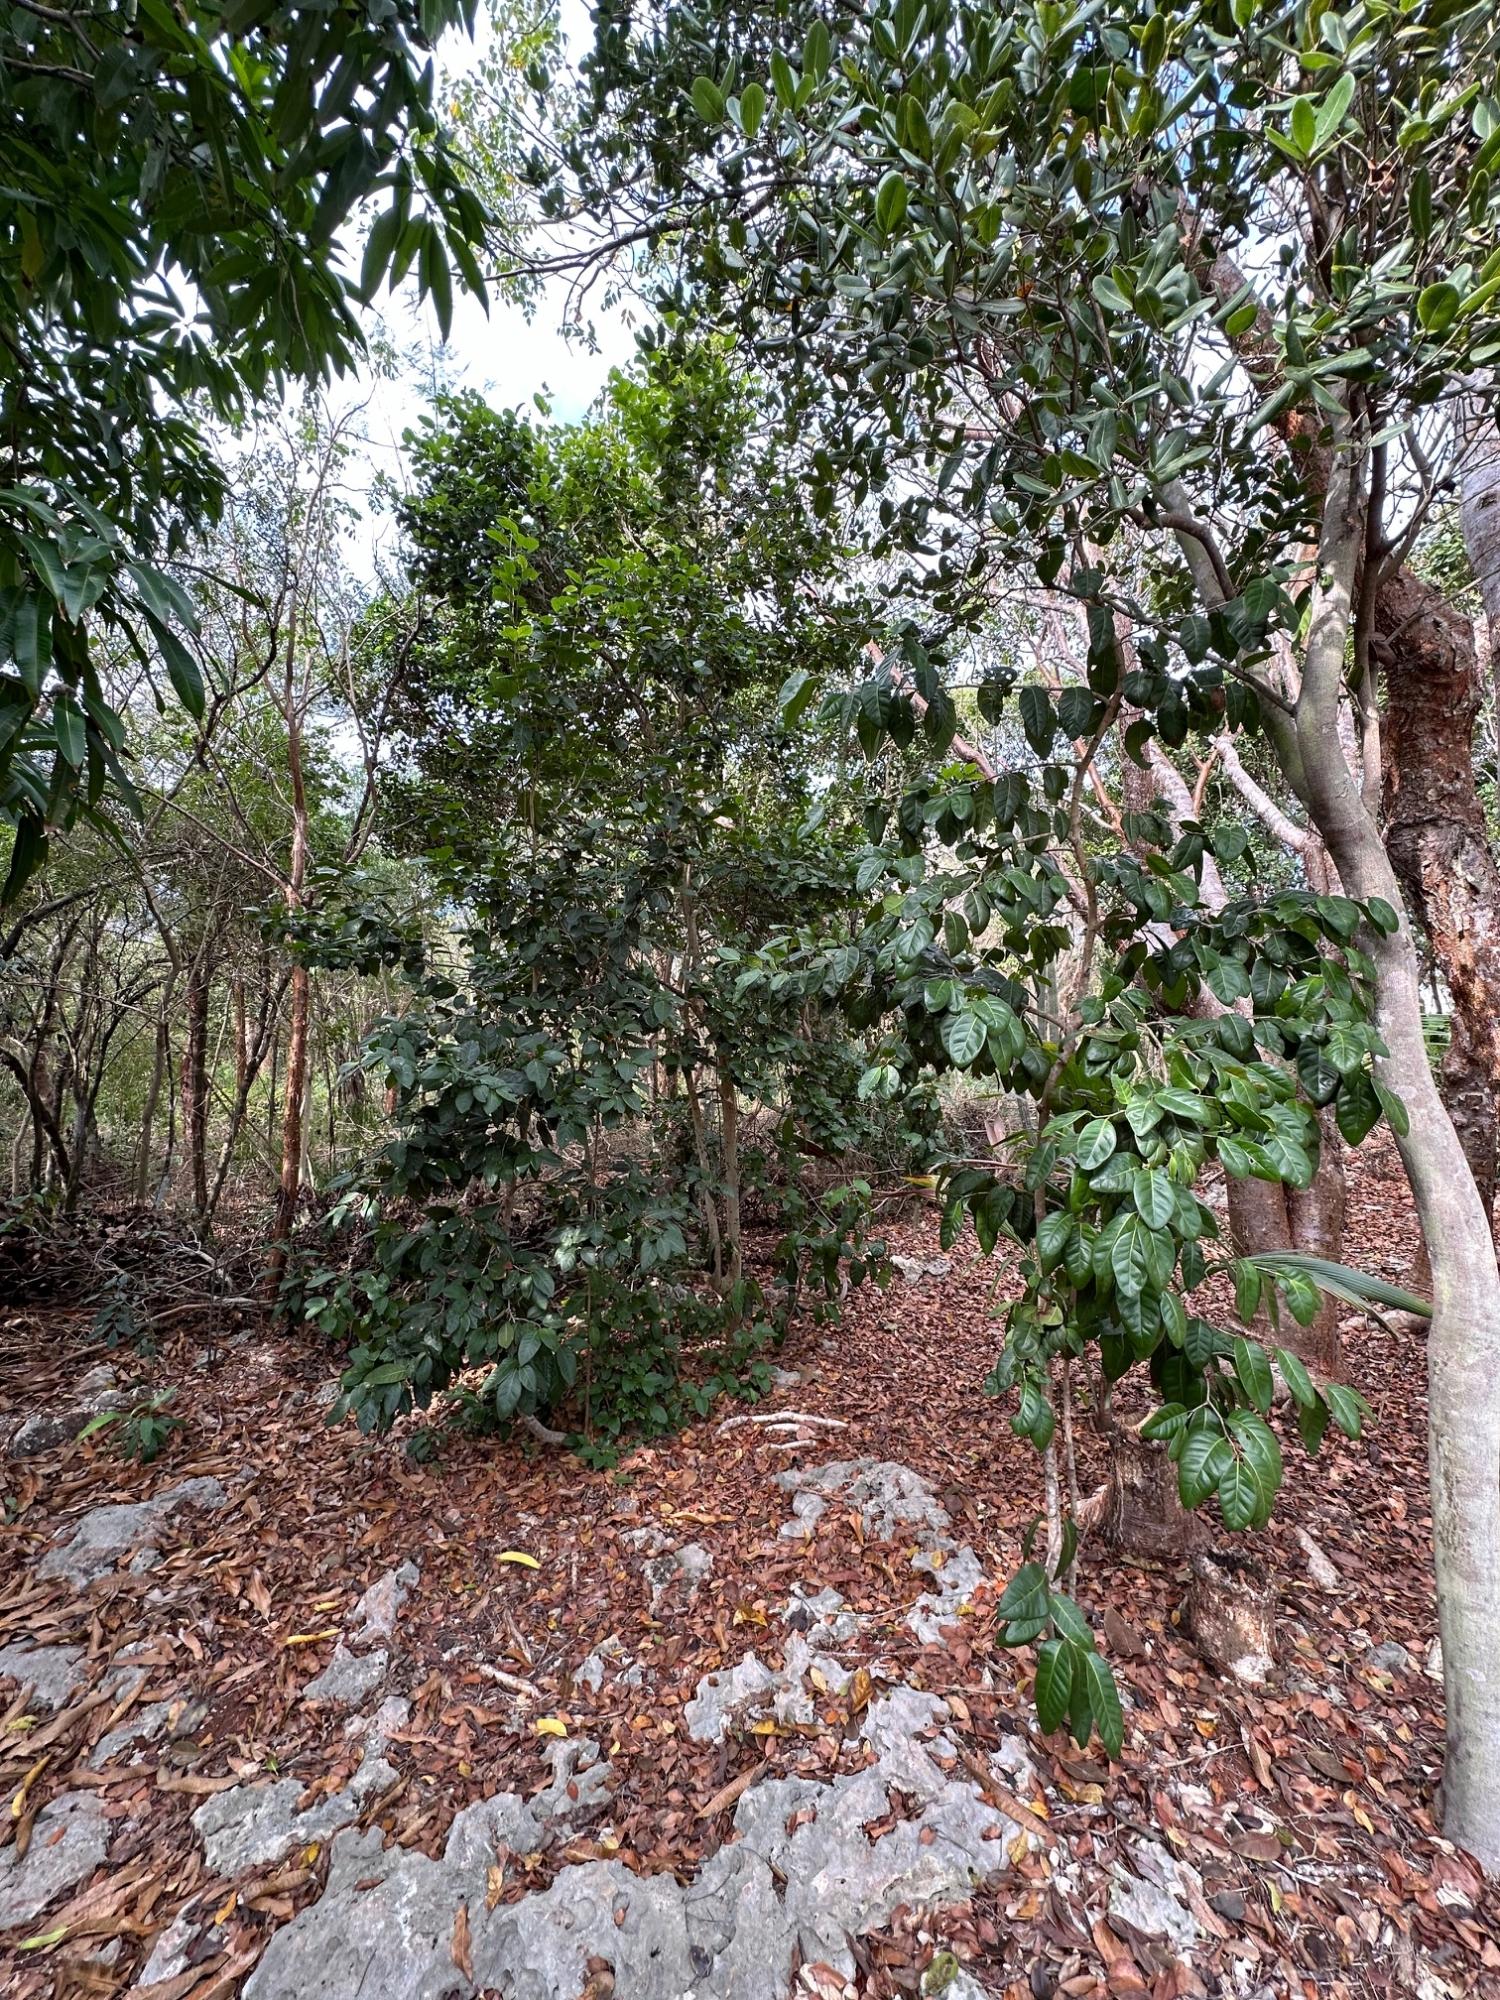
<point x="1269" y="1841"/>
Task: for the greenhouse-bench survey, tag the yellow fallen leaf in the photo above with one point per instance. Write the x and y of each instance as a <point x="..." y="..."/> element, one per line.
<point x="18" y="1803"/>
<point x="310" y="1638"/>
<point x="551" y="1725"/>
<point x="226" y="1909"/>
<point x="311" y="1852"/>
<point x="860" y="1689"/>
<point x="518" y="1556"/>
<point x="45" y="1942"/>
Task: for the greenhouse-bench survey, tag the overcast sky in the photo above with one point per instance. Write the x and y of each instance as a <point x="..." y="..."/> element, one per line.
<point x="506" y="356"/>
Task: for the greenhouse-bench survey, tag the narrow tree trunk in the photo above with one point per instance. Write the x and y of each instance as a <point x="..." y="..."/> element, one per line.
<point x="293" y="1120"/>
<point x="161" y="1056"/>
<point x="241" y="1038"/>
<point x="195" y="1083"/>
<point x="291" y="1127"/>
<point x="1463" y="1345"/>
<point x="729" y="1131"/>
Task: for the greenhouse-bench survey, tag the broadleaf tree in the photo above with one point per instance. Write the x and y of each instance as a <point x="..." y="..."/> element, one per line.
<point x="1167" y="309"/>
<point x="177" y="180"/>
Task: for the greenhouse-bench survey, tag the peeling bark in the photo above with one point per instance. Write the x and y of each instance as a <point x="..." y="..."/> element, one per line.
<point x="1438" y="842"/>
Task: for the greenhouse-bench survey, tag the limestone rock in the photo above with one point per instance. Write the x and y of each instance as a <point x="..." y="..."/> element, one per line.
<point x="169" y="1954"/>
<point x="822" y="1615"/>
<point x="252" y="1826"/>
<point x="144" y="1726"/>
<point x="1319" y="1568"/>
<point x="376" y="1612"/>
<point x="349" y="1678"/>
<point x="45" y="1430"/>
<point x="915" y="1269"/>
<point x="385" y="1921"/>
<point x="102" y="1537"/>
<point x="48" y="1674"/>
<point x="891" y="1498"/>
<point x="1154" y="1899"/>
<point x="1392" y="1658"/>
<point x="687" y="1566"/>
<point x="723" y="1696"/>
<point x="68" y="1843"/>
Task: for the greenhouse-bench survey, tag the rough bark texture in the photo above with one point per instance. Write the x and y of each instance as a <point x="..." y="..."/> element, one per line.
<point x="1143" y="1514"/>
<point x="1438" y="844"/>
<point x="1481" y="511"/>
<point x="1231" y="1613"/>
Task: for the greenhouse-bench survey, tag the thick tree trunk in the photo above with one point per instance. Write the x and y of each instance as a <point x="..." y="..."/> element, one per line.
<point x="1144" y="1514"/>
<point x="1439" y="845"/>
<point x="1231" y="1613"/>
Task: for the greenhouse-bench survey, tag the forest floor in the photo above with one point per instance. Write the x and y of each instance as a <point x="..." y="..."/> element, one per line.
<point x="1303" y="1810"/>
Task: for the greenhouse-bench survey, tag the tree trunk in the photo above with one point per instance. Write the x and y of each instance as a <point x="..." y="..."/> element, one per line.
<point x="1463" y="1344"/>
<point x="1439" y="846"/>
<point x="1144" y="1514"/>
<point x="1231" y="1613"/>
<point x="1264" y="1215"/>
<point x="291" y="1128"/>
<point x="162" y="1055"/>
<point x="195" y="1083"/>
<point x="729" y="1129"/>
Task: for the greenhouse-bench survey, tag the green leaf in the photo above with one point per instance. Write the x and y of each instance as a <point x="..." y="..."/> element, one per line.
<point x="1037" y="718"/>
<point x="1348" y="1408"/>
<point x="1342" y="1281"/>
<point x="1334" y="110"/>
<point x="1296" y="1378"/>
<point x="1155" y="1198"/>
<point x="182" y="669"/>
<point x="1239" y="1496"/>
<point x="1026" y="1595"/>
<point x="1437" y="306"/>
<point x="817" y="51"/>
<point x="963" y="1036"/>
<point x="1054" y="1683"/>
<point x="708" y="100"/>
<point x="752" y="109"/>
<point x="1104" y="1700"/>
<point x="1053" y="1233"/>
<point x="1202" y="1465"/>
<point x="890" y="202"/>
<point x="1165" y="1422"/>
<point x="1094" y="1144"/>
<point x="1254" y="1371"/>
<point x="797" y="691"/>
<point x="1303" y="129"/>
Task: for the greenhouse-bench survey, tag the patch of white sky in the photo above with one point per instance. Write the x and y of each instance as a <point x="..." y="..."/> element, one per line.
<point x="508" y="355"/>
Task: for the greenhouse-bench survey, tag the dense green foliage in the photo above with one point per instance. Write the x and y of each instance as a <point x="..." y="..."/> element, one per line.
<point x="591" y="758"/>
<point x="176" y="181"/>
<point x="988" y="258"/>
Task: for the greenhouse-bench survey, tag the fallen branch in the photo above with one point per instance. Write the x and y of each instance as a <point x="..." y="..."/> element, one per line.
<point x="540" y="1430"/>
<point x="783" y="1420"/>
<point x="512" y="1683"/>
